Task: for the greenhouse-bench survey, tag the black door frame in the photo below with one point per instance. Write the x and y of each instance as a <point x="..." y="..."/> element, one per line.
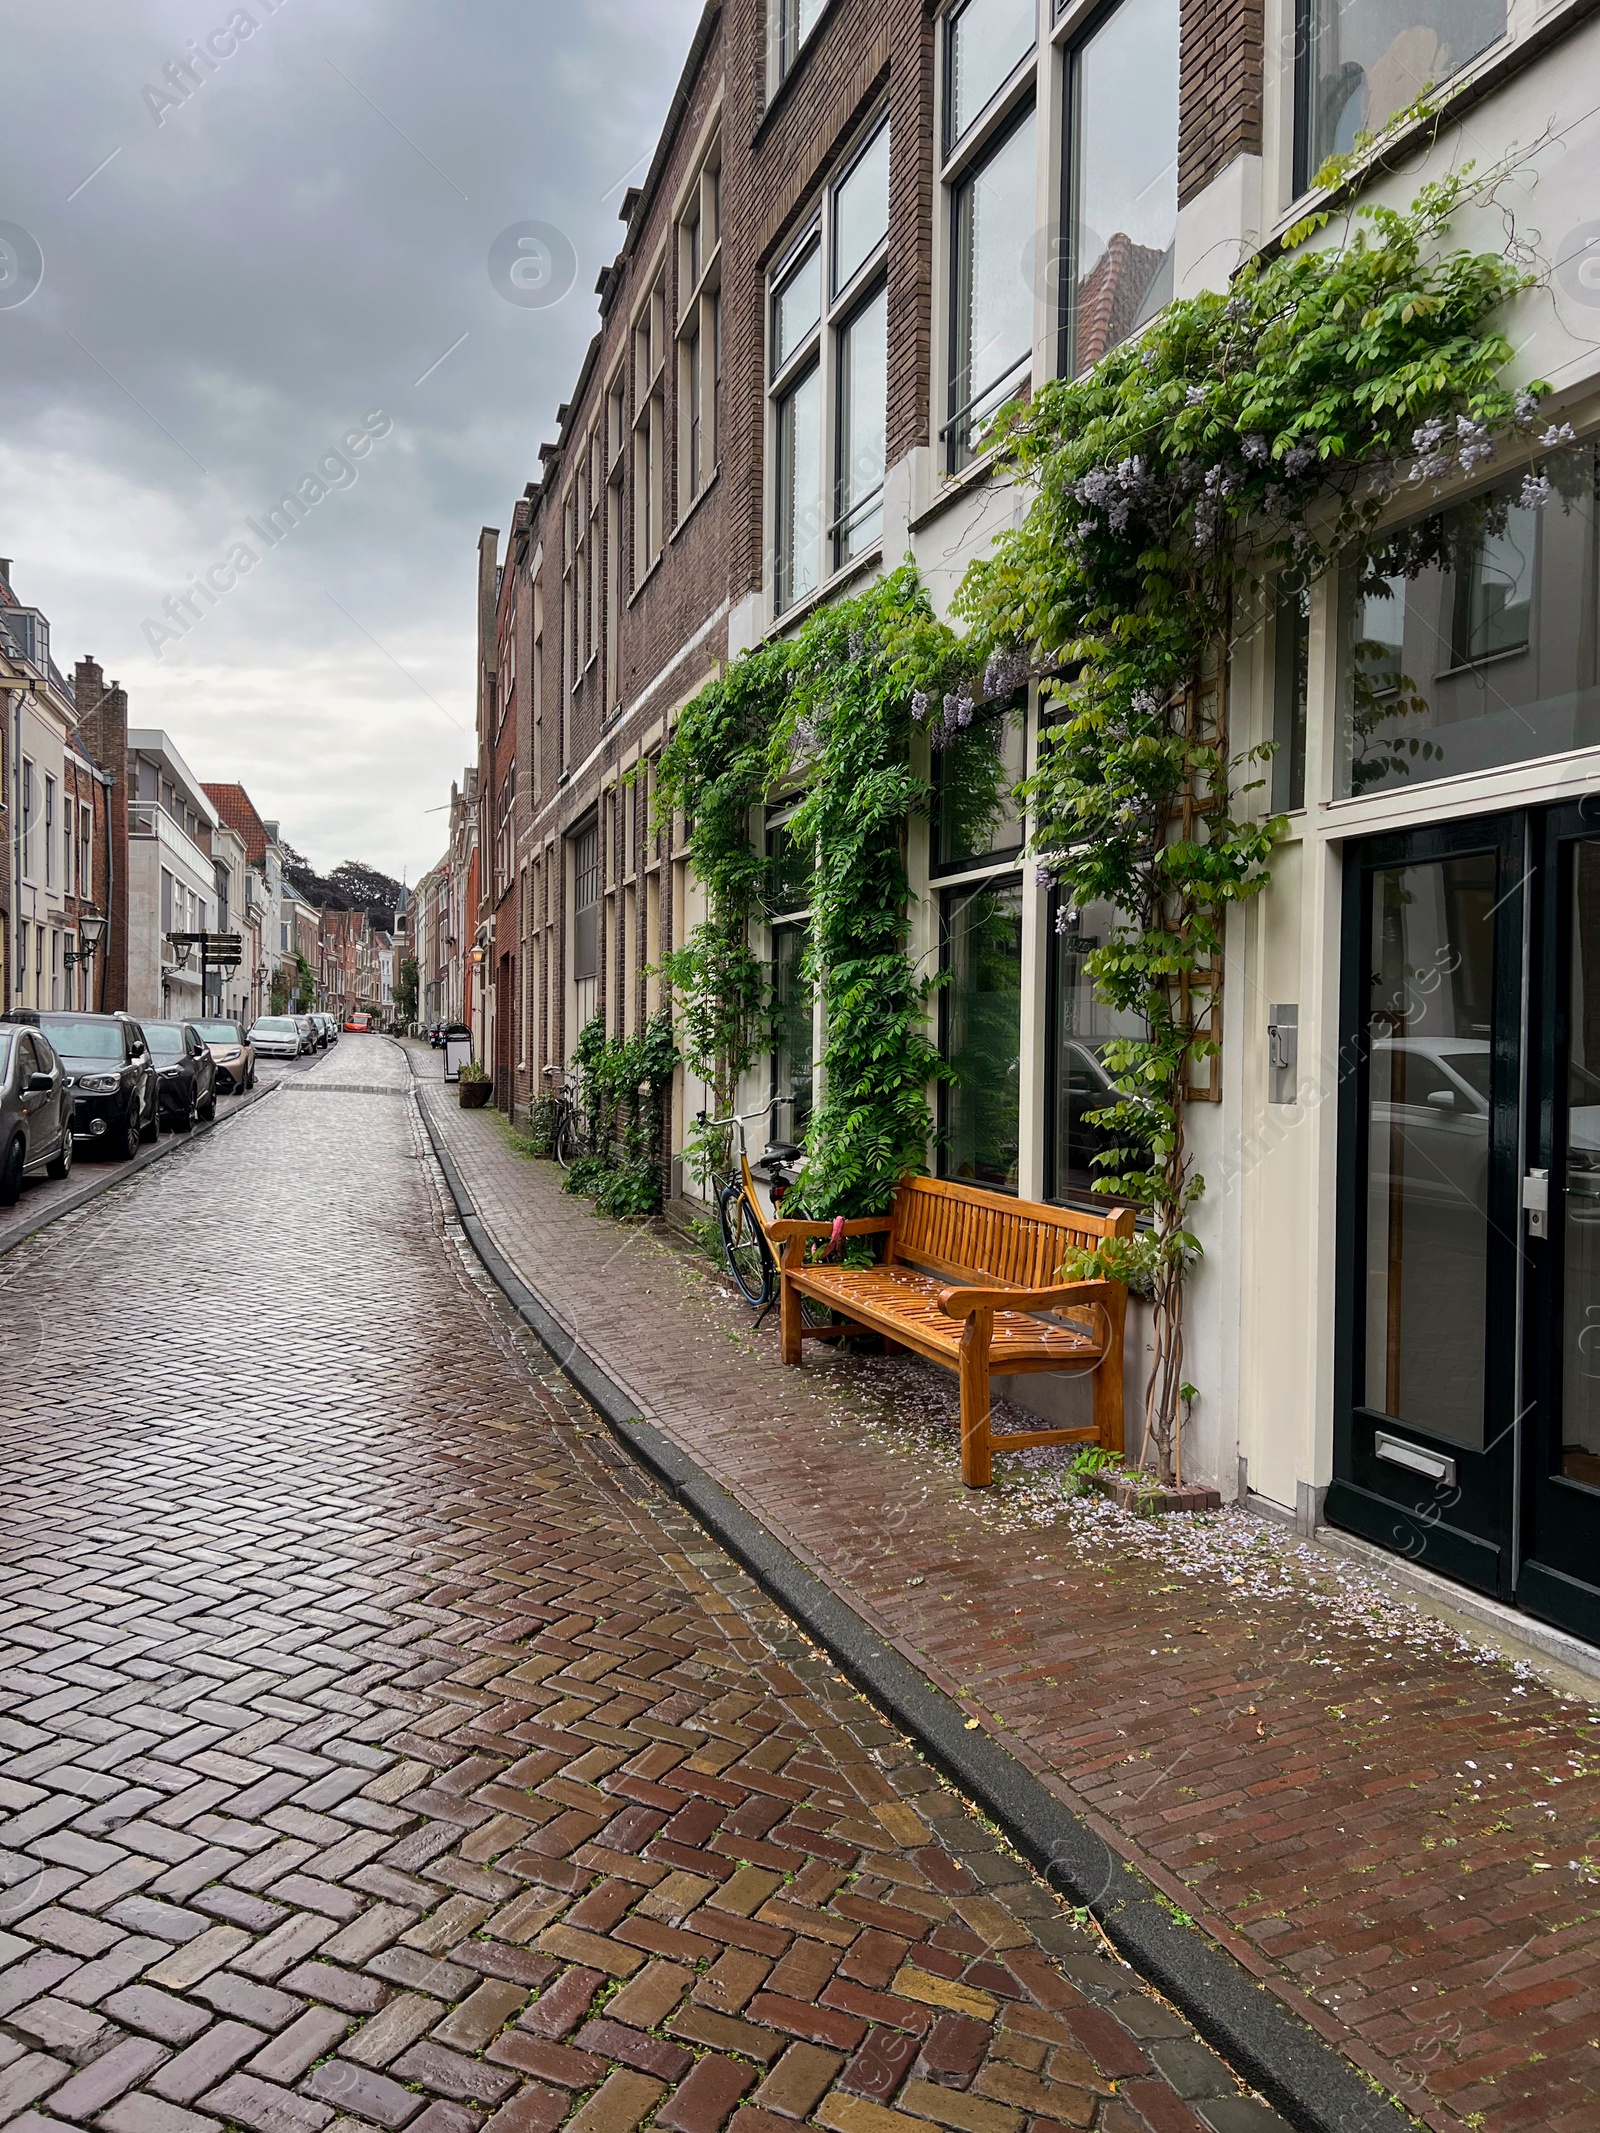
<point x="1455" y="1509"/>
<point x="1562" y="1517"/>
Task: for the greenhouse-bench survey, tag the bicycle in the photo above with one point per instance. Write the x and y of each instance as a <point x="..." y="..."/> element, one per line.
<point x="569" y="1133"/>
<point x="745" y="1244"/>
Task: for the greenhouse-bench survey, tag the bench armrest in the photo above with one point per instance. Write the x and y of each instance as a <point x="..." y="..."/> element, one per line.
<point x="962" y="1302"/>
<point x="863" y="1226"/>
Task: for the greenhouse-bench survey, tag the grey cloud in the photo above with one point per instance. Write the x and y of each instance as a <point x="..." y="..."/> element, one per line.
<point x="236" y="287"/>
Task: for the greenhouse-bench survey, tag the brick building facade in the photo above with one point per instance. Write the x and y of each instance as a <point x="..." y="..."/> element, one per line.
<point x="864" y="229"/>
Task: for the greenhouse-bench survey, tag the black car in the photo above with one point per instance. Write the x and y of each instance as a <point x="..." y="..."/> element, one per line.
<point x="35" y="1111"/>
<point x="109" y="1072"/>
<point x="186" y="1073"/>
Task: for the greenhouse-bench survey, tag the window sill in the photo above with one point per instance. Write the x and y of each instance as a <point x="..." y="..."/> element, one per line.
<point x="709" y="484"/>
<point x="1489" y="659"/>
<point x="954" y="486"/>
<point x="858" y="566"/>
<point x="639" y="589"/>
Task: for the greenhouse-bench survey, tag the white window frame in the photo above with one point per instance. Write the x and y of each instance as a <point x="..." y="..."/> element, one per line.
<point x="648" y="356"/>
<point x="699" y="331"/>
<point x="1026" y="87"/>
<point x="819" y="350"/>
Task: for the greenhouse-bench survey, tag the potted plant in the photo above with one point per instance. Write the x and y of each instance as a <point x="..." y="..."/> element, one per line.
<point x="474" y="1086"/>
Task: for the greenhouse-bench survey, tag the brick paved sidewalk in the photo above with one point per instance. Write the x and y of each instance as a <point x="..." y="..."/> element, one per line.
<point x="1395" y="1829"/>
<point x="379" y="1750"/>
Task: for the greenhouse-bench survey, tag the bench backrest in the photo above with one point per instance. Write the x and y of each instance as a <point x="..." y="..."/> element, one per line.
<point x="959" y="1232"/>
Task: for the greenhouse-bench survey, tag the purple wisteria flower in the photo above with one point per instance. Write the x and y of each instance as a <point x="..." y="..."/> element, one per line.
<point x="1005" y="673"/>
<point x="1536" y="492"/>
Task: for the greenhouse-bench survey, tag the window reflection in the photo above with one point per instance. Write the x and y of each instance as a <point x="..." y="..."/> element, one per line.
<point x="792" y="1072"/>
<point x="1580" y="1202"/>
<point x="981" y="1017"/>
<point x="1429" y="1019"/>
<point x="976" y="816"/>
<point x="1123" y="133"/>
<point x="1361" y="61"/>
<point x="987" y="41"/>
<point x="992" y="308"/>
<point x="1484" y="658"/>
<point x="1084" y="1026"/>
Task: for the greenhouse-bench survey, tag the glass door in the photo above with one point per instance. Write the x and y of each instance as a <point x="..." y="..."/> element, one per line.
<point x="1560" y="1578"/>
<point x="1426" y="1429"/>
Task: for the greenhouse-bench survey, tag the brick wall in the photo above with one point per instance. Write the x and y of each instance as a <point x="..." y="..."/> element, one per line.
<point x="671" y="633"/>
<point x="1219" y="89"/>
<point x="103" y="734"/>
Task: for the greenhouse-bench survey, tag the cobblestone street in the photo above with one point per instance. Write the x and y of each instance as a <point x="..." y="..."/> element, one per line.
<point x="379" y="1749"/>
<point x="1388" y="1822"/>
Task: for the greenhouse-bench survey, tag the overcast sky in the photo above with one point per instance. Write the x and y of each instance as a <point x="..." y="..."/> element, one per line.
<point x="276" y="253"/>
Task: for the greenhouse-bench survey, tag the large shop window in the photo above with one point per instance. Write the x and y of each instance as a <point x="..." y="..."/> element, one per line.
<point x="988" y="139"/>
<point x="1361" y="61"/>
<point x="829" y="352"/>
<point x="980" y="1013"/>
<point x="1484" y="658"/>
<point x="1122" y="177"/>
<point x="1080" y="1085"/>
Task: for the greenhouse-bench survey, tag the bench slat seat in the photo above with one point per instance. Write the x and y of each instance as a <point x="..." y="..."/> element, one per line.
<point x="955" y="1259"/>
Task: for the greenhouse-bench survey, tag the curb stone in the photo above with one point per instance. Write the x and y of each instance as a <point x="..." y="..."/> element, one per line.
<point x="1306" y="2078"/>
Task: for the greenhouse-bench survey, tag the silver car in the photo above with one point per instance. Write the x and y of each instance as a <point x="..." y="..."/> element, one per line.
<point x="277" y="1037"/>
<point x="35" y="1110"/>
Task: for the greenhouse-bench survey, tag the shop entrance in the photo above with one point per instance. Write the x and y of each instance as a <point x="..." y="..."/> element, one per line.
<point x="1468" y="1391"/>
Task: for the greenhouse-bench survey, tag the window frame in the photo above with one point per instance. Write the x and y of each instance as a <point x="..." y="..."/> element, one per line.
<point x="960" y="161"/>
<point x="819" y="351"/>
<point x="1303" y="46"/>
<point x="1073" y="44"/>
<point x="698" y="334"/>
<point x="647" y="356"/>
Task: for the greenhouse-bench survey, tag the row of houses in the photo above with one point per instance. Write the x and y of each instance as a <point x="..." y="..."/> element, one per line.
<point x="865" y="227"/>
<point x="131" y="884"/>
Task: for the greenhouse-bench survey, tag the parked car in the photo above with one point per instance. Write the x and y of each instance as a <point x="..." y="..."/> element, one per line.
<point x="186" y="1073"/>
<point x="329" y="1025"/>
<point x="107" y="1062"/>
<point x="359" y="1023"/>
<point x="35" y="1110"/>
<point x="233" y="1053"/>
<point x="277" y="1037"/>
<point x="311" y="1036"/>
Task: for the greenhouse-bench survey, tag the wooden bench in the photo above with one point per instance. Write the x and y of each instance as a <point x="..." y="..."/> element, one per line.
<point x="964" y="1279"/>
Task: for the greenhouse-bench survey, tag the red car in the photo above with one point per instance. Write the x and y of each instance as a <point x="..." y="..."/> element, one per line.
<point x="360" y="1024"/>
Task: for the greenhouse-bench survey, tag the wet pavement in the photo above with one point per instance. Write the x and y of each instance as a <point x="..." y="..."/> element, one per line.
<point x="377" y="1748"/>
<point x="41" y="1196"/>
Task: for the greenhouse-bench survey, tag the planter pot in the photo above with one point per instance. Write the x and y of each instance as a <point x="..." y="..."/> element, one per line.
<point x="1146" y="1497"/>
<point x="474" y="1094"/>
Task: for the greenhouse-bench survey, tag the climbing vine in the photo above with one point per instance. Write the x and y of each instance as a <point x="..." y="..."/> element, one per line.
<point x="623" y="1081"/>
<point x="859" y="673"/>
<point x="715" y="770"/>
<point x="1270" y="427"/>
<point x="831" y="714"/>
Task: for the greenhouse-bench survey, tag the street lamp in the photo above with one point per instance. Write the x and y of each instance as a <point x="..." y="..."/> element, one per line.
<point x="91" y="931"/>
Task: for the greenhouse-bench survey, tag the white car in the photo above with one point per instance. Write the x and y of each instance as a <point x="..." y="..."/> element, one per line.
<point x="277" y="1037"/>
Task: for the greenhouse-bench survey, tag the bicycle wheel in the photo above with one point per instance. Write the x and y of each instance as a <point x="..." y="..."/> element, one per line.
<point x="564" y="1142"/>
<point x="748" y="1254"/>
